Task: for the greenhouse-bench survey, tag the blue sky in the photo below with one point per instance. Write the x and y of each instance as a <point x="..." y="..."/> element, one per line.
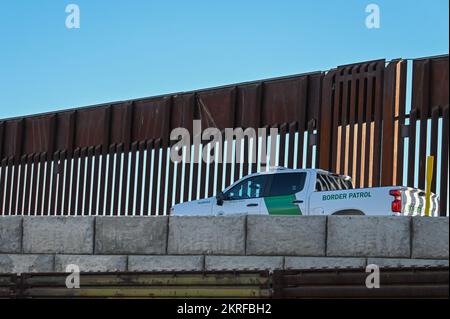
<point x="135" y="48"/>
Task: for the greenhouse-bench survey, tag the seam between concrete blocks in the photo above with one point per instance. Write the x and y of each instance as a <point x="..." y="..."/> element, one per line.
<point x="411" y="234"/>
<point x="21" y="235"/>
<point x="326" y="237"/>
<point x="245" y="234"/>
<point x="94" y="231"/>
<point x="167" y="236"/>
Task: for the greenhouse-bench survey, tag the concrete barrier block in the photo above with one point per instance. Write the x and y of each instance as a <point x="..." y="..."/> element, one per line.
<point x="231" y="263"/>
<point x="223" y="235"/>
<point x="286" y="235"/>
<point x="165" y="263"/>
<point x="10" y="264"/>
<point x="10" y="235"/>
<point x="430" y="237"/>
<point x="91" y="263"/>
<point x="368" y="236"/>
<point x="131" y="235"/>
<point x="58" y="235"/>
<point x="304" y="263"/>
<point x="407" y="263"/>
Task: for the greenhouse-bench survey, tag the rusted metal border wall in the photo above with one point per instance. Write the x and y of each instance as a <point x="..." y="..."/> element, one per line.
<point x="427" y="130"/>
<point x="114" y="159"/>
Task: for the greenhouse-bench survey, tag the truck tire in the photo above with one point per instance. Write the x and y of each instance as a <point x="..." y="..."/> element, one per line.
<point x="350" y="212"/>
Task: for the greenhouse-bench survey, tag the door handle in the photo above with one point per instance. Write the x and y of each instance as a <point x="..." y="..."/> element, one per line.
<point x="252" y="205"/>
<point x="297" y="201"/>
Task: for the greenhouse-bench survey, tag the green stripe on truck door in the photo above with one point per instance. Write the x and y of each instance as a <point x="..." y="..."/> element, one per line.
<point x="282" y="205"/>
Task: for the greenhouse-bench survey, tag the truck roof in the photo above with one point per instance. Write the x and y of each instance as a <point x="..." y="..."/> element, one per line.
<point x="280" y="169"/>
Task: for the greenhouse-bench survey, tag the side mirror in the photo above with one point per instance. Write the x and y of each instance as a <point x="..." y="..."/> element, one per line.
<point x="220" y="198"/>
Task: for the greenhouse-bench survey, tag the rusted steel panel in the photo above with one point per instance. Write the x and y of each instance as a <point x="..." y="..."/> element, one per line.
<point x="20" y="191"/>
<point x="248" y="106"/>
<point x="314" y="96"/>
<point x="399" y="122"/>
<point x="117" y="171"/>
<point x="89" y="127"/>
<point x="132" y="189"/>
<point x="162" y="187"/>
<point x="156" y="178"/>
<point x="40" y="183"/>
<point x="74" y="179"/>
<point x="325" y="121"/>
<point x="148" y="182"/>
<point x="26" y="206"/>
<point x="216" y="108"/>
<point x="368" y="150"/>
<point x="2" y="134"/>
<point x="124" y="185"/>
<point x="412" y="147"/>
<point x="378" y="117"/>
<point x="38" y="134"/>
<point x="309" y="147"/>
<point x="430" y="82"/>
<point x="88" y="190"/>
<point x="358" y="177"/>
<point x="151" y="120"/>
<point x="444" y="163"/>
<point x="95" y="180"/>
<point x="434" y="142"/>
<point x="300" y="109"/>
<point x="344" y="111"/>
<point x="12" y="140"/>
<point x="183" y="111"/>
<point x="429" y="98"/>
<point x="65" y="131"/>
<point x="140" y="178"/>
<point x="109" y="170"/>
<point x="120" y="122"/>
<point x="353" y="106"/>
<point x="2" y="184"/>
<point x="34" y="185"/>
<point x="284" y="101"/>
<point x="292" y="130"/>
<point x="390" y="134"/>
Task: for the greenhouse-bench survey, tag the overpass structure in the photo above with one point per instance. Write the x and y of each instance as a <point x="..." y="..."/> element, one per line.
<point x="411" y="253"/>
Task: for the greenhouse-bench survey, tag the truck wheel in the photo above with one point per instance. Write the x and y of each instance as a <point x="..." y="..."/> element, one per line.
<point x="350" y="212"/>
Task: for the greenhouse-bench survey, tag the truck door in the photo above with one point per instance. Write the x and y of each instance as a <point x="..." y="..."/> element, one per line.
<point x="243" y="198"/>
<point x="286" y="194"/>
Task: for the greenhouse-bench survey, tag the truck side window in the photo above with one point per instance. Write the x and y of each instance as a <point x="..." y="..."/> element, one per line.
<point x="321" y="185"/>
<point x="252" y="187"/>
<point x="325" y="182"/>
<point x="331" y="183"/>
<point x="287" y="184"/>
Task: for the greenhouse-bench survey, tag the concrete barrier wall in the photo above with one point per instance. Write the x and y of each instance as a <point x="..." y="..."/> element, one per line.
<point x="43" y="244"/>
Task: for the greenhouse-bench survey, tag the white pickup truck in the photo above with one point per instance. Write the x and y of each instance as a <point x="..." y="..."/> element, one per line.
<point x="283" y="191"/>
